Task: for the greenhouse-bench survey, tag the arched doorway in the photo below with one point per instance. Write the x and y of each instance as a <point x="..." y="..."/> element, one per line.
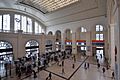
<point x="6" y="57"/>
<point x="58" y="40"/>
<point x="32" y="49"/>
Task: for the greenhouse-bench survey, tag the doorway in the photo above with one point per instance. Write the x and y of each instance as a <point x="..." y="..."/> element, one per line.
<point x="100" y="54"/>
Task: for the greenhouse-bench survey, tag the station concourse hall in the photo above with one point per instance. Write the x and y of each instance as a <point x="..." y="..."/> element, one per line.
<point x="59" y="39"/>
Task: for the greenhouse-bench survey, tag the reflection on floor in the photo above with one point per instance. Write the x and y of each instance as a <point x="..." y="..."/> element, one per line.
<point x="76" y="73"/>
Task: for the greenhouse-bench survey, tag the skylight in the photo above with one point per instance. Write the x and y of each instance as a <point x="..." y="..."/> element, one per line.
<point x="48" y="5"/>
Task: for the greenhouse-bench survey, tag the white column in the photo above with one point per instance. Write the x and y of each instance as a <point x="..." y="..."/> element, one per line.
<point x="112" y="47"/>
<point x="63" y="41"/>
<point x="74" y="46"/>
<point x="88" y="44"/>
<point x="42" y="44"/>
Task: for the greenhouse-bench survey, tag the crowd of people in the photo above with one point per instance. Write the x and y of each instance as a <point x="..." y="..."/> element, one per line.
<point x="27" y="65"/>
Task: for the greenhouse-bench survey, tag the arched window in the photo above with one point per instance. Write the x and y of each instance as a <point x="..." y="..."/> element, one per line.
<point x="50" y="33"/>
<point x="83" y="29"/>
<point x="99" y="28"/>
<point x="68" y="34"/>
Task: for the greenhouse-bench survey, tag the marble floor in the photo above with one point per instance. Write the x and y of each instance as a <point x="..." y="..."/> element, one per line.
<point x="76" y="73"/>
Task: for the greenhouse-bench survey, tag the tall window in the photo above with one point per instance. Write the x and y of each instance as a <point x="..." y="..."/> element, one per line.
<point x="97" y="37"/>
<point x="99" y="28"/>
<point x="29" y="25"/>
<point x="101" y="37"/>
<point x="0" y="22"/>
<point x="38" y="28"/>
<point x="17" y="22"/>
<point x="5" y="22"/>
<point x="24" y="23"/>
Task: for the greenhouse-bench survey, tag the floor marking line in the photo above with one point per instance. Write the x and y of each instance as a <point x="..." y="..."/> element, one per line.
<point x="56" y="74"/>
<point x="77" y="68"/>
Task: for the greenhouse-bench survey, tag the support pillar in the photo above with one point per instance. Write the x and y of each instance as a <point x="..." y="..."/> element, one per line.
<point x="63" y="41"/>
<point x="74" y="46"/>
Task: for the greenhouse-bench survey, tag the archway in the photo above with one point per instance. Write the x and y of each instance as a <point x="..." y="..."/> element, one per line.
<point x="6" y="57"/>
<point x="50" y="33"/>
<point x="32" y="49"/>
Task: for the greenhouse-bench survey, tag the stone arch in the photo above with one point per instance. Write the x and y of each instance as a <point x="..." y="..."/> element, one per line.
<point x="58" y="35"/>
<point x="50" y="33"/>
<point x="68" y="34"/>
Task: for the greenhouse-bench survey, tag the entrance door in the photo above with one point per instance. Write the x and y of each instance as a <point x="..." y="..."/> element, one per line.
<point x="100" y="54"/>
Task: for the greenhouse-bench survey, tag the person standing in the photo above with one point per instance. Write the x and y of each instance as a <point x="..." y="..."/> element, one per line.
<point x="34" y="74"/>
<point x="88" y="65"/>
<point x="19" y="74"/>
<point x="63" y="72"/>
<point x="103" y="69"/>
<point x="85" y="66"/>
<point x="62" y="63"/>
<point x="0" y="77"/>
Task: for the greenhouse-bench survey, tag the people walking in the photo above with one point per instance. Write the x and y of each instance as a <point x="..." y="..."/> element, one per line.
<point x="113" y="75"/>
<point x="49" y="77"/>
<point x="34" y="73"/>
<point x="73" y="65"/>
<point x="98" y="65"/>
<point x="85" y="66"/>
<point x="101" y="56"/>
<point x="63" y="72"/>
<point x="88" y="65"/>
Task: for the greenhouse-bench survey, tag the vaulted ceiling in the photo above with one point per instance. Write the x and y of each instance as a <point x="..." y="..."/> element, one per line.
<point x="56" y="12"/>
<point x="46" y="6"/>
